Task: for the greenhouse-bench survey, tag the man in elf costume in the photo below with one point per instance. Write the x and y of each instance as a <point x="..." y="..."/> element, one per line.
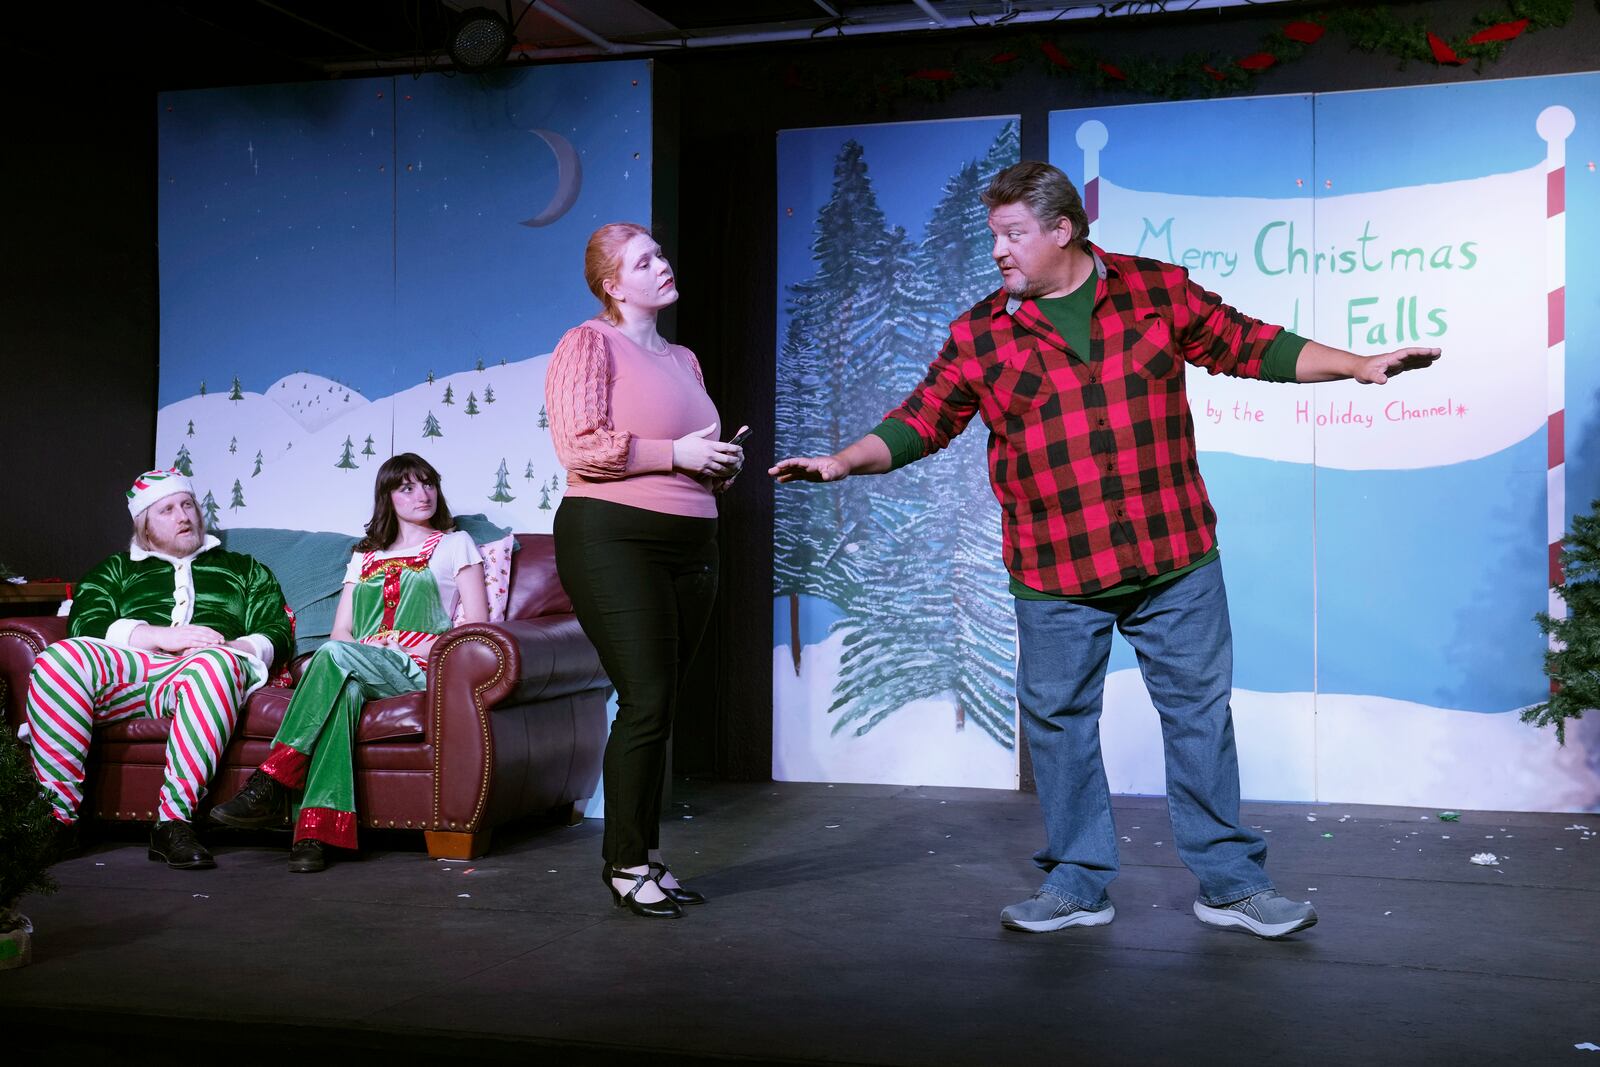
<point x="176" y="627"/>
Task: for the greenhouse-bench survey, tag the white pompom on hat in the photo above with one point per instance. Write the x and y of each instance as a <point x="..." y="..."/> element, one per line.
<point x="153" y="485"/>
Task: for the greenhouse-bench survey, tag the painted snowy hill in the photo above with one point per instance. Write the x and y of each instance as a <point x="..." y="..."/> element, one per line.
<point x="307" y="461"/>
<point x="312" y="400"/>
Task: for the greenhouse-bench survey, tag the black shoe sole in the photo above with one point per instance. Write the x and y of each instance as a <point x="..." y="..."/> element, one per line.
<point x="234" y="822"/>
<point x="205" y="863"/>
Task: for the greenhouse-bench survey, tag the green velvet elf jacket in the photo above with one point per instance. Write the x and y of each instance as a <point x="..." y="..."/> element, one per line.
<point x="231" y="593"/>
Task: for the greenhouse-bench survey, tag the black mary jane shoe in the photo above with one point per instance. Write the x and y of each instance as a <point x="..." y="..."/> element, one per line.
<point x="173" y="842"/>
<point x="656" y="909"/>
<point x="680" y="893"/>
<point x="307" y="856"/>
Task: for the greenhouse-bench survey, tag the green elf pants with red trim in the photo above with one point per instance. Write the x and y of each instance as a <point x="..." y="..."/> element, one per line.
<point x="315" y="746"/>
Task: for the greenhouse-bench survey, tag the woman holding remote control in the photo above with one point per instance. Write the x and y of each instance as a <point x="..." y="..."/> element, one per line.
<point x="636" y="533"/>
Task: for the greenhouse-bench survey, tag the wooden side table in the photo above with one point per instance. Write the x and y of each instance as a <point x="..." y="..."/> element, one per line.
<point x="32" y="598"/>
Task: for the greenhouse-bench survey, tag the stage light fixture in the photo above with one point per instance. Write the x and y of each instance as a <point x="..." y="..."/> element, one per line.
<point x="481" y="39"/>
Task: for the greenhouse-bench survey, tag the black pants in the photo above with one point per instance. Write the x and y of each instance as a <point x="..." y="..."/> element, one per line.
<point x="642" y="584"/>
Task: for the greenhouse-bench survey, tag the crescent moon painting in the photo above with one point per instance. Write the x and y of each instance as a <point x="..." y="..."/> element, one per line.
<point x="569" y="179"/>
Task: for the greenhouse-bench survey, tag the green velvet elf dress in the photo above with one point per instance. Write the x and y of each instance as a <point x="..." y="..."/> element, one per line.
<point x="396" y="598"/>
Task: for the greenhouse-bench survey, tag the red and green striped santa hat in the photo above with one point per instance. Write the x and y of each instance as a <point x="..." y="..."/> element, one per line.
<point x="153" y="485"/>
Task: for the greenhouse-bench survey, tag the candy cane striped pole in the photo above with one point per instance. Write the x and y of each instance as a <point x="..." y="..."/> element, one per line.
<point x="1555" y="125"/>
<point x="1092" y="137"/>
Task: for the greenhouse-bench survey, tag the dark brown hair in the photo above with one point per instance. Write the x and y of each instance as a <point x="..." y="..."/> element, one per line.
<point x="1047" y="192"/>
<point x="384" y="526"/>
<point x="602" y="259"/>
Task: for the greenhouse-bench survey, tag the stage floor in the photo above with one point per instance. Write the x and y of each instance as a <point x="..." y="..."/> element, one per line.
<point x="847" y="925"/>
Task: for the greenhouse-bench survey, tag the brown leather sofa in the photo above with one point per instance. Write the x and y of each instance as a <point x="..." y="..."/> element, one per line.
<point x="513" y="723"/>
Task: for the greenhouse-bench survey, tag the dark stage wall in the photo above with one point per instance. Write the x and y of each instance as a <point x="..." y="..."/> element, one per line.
<point x="78" y="344"/>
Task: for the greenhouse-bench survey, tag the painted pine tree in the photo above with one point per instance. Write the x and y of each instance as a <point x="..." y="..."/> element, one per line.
<point x="480" y="364"/>
<point x="502" y="485"/>
<point x="191" y="429"/>
<point x="258" y="466"/>
<point x="449" y="394"/>
<point x="184" y="463"/>
<point x="238" y="496"/>
<point x="931" y="623"/>
<point x="528" y="472"/>
<point x="347" y="459"/>
<point x="430" y="376"/>
<point x="202" y="387"/>
<point x="237" y="393"/>
<point x="544" y="498"/>
<point x="544" y="420"/>
<point x="804" y="518"/>
<point x="472" y="404"/>
<point x="368" y="450"/>
<point x="208" y="512"/>
<point x="488" y="394"/>
<point x="430" y="427"/>
<point x="233" y="446"/>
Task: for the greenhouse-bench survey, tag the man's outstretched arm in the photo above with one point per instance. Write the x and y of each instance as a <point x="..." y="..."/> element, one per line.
<point x="870" y="455"/>
<point x="1319" y="363"/>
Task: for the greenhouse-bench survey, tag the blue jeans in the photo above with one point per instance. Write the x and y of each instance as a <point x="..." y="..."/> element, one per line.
<point x="1181" y="634"/>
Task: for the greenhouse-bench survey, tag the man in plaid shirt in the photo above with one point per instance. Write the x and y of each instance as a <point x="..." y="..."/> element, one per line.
<point x="1076" y="365"/>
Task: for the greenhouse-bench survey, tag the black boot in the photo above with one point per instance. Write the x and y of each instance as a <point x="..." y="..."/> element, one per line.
<point x="262" y="804"/>
<point x="307" y="856"/>
<point x="174" y="842"/>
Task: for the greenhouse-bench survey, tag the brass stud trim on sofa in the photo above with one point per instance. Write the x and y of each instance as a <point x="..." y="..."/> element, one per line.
<point x="483" y="726"/>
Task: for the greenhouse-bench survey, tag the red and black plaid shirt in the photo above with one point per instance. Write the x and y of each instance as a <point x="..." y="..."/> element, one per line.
<point x="1093" y="462"/>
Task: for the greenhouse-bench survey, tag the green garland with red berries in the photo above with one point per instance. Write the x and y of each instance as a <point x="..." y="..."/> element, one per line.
<point x="1373" y="30"/>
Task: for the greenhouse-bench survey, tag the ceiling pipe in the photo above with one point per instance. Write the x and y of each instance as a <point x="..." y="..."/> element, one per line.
<point x="762" y="37"/>
<point x="574" y="25"/>
<point x="939" y="19"/>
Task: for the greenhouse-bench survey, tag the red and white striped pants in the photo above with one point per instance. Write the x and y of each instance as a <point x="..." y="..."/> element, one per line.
<point x="82" y="682"/>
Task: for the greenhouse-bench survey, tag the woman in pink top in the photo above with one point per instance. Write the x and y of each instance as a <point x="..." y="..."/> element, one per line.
<point x="636" y="533"/>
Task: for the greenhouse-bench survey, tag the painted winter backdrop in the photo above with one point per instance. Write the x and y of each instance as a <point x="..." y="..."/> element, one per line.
<point x="896" y="650"/>
<point x="355" y="269"/>
<point x="1385" y="549"/>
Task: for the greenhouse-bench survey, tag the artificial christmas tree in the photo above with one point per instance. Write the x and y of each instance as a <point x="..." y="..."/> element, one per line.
<point x="27" y="847"/>
<point x="1573" y="660"/>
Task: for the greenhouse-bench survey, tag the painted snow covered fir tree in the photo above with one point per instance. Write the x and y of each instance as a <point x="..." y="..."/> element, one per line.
<point x="208" y="512"/>
<point x="347" y="459"/>
<point x="502" y="485"/>
<point x="430" y="427"/>
<point x="913" y="560"/>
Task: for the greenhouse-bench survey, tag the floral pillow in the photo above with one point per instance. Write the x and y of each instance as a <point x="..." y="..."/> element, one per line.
<point x="496" y="577"/>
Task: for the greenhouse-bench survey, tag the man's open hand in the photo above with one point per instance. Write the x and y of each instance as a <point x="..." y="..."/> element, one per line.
<point x="1376" y="370"/>
<point x="809" y="469"/>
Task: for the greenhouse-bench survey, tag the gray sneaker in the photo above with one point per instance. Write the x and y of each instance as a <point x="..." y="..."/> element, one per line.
<point x="1045" y="911"/>
<point x="1267" y="914"/>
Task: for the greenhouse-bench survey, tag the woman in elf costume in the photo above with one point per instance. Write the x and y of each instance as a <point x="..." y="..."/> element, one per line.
<point x="400" y="592"/>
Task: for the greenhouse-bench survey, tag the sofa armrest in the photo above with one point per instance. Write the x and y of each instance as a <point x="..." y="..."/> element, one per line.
<point x="21" y="641"/>
<point x="521" y="660"/>
<point x="472" y="669"/>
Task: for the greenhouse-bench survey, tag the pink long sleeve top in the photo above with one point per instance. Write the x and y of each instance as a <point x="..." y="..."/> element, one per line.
<point x="615" y="409"/>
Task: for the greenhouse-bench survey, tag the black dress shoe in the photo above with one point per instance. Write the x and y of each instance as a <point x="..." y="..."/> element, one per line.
<point x="307" y="856"/>
<point x="174" y="842"/>
<point x="680" y="893"/>
<point x="655" y="909"/>
<point x="261" y="805"/>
